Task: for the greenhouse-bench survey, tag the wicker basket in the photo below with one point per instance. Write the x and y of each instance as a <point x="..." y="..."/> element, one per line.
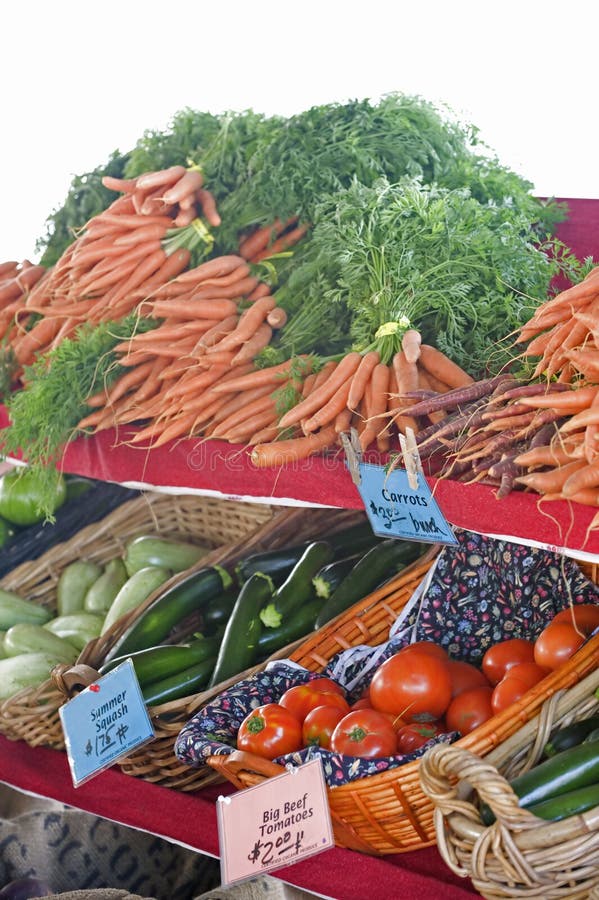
<point x="389" y="812"/>
<point x="32" y="714"/>
<point x="156" y="761"/>
<point x="519" y="855"/>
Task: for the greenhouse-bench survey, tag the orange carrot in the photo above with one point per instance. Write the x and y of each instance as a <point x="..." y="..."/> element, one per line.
<point x="37" y="339"/>
<point x="232" y="290"/>
<point x="553" y="480"/>
<point x="406" y="374"/>
<point x="208" y="205"/>
<point x="239" y="274"/>
<point x="249" y="322"/>
<point x="192" y="309"/>
<point x="238" y="401"/>
<point x="443" y="368"/>
<point x="252" y="347"/>
<point x="216" y="333"/>
<point x="260" y="238"/>
<point x="585" y="477"/>
<point x="322" y="394"/>
<point x="330" y="410"/>
<point x="269" y="375"/>
<point x="261" y="290"/>
<point x="343" y="420"/>
<point x="242" y="434"/>
<point x="264" y="435"/>
<point x="379" y="385"/>
<point x="279" y="453"/>
<point x="172" y="266"/>
<point x="361" y="377"/>
<point x="410" y="344"/>
<point x="144" y="270"/>
<point x="141" y="235"/>
<point x="161" y="178"/>
<point x="277" y="317"/>
<point x="235" y="420"/>
<point x="218" y="266"/>
<point x="190" y="182"/>
<point x="568" y="402"/>
<point x="545" y="455"/>
<point x="281" y="244"/>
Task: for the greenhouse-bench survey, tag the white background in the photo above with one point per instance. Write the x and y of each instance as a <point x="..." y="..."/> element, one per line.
<point x="81" y="79"/>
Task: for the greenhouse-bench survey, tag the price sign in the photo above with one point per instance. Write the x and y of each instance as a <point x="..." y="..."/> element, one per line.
<point x="275" y="823"/>
<point x="105" y="722"/>
<point x="396" y="509"/>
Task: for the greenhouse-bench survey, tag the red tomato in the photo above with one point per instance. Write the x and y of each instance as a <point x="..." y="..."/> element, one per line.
<point x="269" y="731"/>
<point x="301" y="698"/>
<point x="412" y="737"/>
<point x="362" y="703"/>
<point x="326" y="684"/>
<point x="498" y="659"/>
<point x="465" y="676"/>
<point x="516" y="682"/>
<point x="528" y="672"/>
<point x="364" y="732"/>
<point x="416" y="686"/>
<point x="426" y="647"/>
<point x="507" y="692"/>
<point x="469" y="709"/>
<point x="584" y="615"/>
<point x="556" y="644"/>
<point x="319" y="725"/>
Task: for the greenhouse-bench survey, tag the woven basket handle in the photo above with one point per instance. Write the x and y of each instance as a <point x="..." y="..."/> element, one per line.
<point x="71" y="679"/>
<point x="445" y="766"/>
<point x="232" y="765"/>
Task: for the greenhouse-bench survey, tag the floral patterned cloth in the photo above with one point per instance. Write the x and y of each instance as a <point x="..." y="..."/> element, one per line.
<point x="212" y="731"/>
<point x="478" y="593"/>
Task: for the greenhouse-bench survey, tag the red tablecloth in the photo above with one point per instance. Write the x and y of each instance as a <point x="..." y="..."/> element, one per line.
<point x="190" y="819"/>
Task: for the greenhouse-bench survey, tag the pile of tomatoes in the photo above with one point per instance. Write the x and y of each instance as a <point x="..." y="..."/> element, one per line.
<point x="414" y="695"/>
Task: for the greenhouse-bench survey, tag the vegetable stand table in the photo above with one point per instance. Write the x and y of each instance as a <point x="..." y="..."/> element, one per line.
<point x="215" y="467"/>
<point x="190" y="819"/>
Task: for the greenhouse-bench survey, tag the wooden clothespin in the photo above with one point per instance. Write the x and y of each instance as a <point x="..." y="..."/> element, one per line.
<point x="411" y="457"/>
<point x="353" y="453"/>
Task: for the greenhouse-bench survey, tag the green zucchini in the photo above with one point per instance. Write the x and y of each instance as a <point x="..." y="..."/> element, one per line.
<point x="593" y="736"/>
<point x="380" y="563"/>
<point x="567" y="771"/>
<point x="136" y="589"/>
<point x="27" y="638"/>
<point x="356" y="539"/>
<point x="297" y="588"/>
<point x="3" y="653"/>
<point x="572" y="803"/>
<point x="215" y="614"/>
<point x="278" y="563"/>
<point x="570" y="735"/>
<point x="153" y="625"/>
<point x="292" y="628"/>
<point x="100" y="595"/>
<point x="158" y="663"/>
<point x="149" y="550"/>
<point x="183" y="684"/>
<point x="239" y="646"/>
<point x="15" y="609"/>
<point x="78" y="629"/>
<point x="73" y="584"/>
<point x="330" y="576"/>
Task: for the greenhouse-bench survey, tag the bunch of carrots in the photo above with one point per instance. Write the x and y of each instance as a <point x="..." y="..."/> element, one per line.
<point x="121" y="256"/>
<point x="17" y="280"/>
<point x="540" y="435"/>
